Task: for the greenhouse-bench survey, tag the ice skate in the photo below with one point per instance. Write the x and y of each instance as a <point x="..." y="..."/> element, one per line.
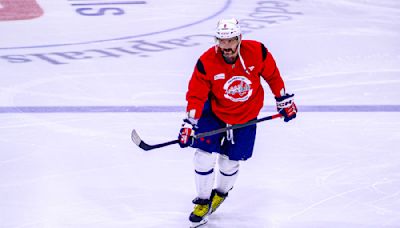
<point x="199" y="216"/>
<point x="216" y="199"/>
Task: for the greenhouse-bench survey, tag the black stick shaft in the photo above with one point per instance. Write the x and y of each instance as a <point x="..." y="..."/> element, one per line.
<point x="236" y="126"/>
<point x="136" y="139"/>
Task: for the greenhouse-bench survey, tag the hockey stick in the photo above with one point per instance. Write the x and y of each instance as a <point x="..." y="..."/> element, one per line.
<point x="138" y="141"/>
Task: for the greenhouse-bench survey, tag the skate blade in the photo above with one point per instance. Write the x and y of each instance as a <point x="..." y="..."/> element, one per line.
<point x="198" y="224"/>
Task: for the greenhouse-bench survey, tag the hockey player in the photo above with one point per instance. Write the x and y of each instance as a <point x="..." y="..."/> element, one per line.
<point x="225" y="89"/>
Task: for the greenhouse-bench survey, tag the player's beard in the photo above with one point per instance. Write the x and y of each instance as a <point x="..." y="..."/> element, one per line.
<point x="229" y="55"/>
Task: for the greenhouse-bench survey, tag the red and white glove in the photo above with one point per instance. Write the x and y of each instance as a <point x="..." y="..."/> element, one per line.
<point x="286" y="106"/>
<point x="187" y="132"/>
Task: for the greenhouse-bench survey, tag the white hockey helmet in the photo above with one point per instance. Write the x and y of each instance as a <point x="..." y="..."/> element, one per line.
<point x="228" y="28"/>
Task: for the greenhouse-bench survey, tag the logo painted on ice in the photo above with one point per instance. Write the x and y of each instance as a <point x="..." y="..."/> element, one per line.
<point x="110" y="21"/>
<point x="11" y="10"/>
<point x="238" y="89"/>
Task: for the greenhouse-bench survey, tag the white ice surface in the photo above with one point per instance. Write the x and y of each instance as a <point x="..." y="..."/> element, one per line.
<point x="324" y="169"/>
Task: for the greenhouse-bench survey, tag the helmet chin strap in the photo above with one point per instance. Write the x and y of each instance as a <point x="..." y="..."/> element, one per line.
<point x="238" y="52"/>
<point x="240" y="56"/>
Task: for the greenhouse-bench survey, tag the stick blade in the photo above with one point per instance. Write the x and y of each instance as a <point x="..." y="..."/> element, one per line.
<point x="135" y="137"/>
<point x="139" y="142"/>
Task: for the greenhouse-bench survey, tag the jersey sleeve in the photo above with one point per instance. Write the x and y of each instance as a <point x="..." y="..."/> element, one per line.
<point x="271" y="74"/>
<point x="199" y="88"/>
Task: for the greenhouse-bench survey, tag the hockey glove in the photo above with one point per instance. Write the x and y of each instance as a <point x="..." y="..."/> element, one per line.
<point x="286" y="106"/>
<point x="187" y="132"/>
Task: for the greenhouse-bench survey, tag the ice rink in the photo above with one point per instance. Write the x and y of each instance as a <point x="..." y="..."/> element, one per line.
<point x="76" y="76"/>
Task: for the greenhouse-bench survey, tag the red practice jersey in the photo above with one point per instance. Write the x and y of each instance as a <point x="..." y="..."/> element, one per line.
<point x="236" y="96"/>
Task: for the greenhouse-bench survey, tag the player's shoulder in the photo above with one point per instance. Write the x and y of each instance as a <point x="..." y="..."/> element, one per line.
<point x="209" y="57"/>
<point x="206" y="60"/>
<point x="252" y="44"/>
<point x="255" y="47"/>
<point x="209" y="53"/>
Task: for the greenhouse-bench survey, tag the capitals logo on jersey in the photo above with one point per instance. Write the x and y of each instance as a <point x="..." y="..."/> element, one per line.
<point x="238" y="89"/>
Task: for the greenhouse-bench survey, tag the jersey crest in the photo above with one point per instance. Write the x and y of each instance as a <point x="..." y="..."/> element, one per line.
<point x="238" y="89"/>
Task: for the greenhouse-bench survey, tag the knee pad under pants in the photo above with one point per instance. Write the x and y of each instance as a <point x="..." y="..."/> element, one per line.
<point x="227" y="175"/>
<point x="226" y="166"/>
<point x="203" y="161"/>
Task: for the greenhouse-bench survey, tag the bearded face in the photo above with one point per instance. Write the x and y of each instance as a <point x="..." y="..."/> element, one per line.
<point x="229" y="49"/>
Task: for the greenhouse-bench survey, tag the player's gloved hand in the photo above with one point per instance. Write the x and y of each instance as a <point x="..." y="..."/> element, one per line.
<point x="187" y="132"/>
<point x="286" y="106"/>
